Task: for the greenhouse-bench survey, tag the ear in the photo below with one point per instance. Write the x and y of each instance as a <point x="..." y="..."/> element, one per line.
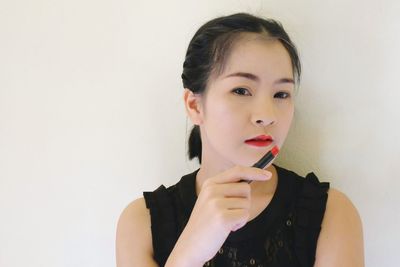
<point x="193" y="106"/>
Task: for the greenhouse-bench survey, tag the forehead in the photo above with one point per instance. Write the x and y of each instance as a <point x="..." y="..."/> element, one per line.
<point x="258" y="54"/>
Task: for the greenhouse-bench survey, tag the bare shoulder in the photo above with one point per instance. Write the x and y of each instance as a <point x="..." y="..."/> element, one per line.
<point x="134" y="241"/>
<point x="340" y="241"/>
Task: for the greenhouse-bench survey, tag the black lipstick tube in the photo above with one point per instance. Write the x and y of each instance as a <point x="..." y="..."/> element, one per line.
<point x="267" y="158"/>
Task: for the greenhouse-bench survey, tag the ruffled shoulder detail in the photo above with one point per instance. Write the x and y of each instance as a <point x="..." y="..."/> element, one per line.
<point x="308" y="214"/>
<point x="170" y="208"/>
<point x="163" y="223"/>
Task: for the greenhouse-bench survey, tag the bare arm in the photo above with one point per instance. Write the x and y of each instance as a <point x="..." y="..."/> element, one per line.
<point x="222" y="206"/>
<point x="134" y="245"/>
<point x="134" y="241"/>
<point x="340" y="242"/>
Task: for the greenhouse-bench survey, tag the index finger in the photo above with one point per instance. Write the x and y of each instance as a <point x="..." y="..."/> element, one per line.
<point x="239" y="173"/>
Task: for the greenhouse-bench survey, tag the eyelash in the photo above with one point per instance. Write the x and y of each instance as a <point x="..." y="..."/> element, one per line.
<point x="236" y="90"/>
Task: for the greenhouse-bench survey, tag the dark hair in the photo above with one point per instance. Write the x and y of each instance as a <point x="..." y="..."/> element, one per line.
<point x="211" y="46"/>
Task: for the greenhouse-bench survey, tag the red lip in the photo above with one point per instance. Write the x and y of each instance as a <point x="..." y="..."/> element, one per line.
<point x="259" y="142"/>
<point x="261" y="137"/>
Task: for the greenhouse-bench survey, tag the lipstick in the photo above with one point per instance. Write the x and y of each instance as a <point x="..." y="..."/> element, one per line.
<point x="260" y="141"/>
<point x="267" y="158"/>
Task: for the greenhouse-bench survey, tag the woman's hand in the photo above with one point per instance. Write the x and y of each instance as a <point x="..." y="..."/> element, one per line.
<point x="223" y="205"/>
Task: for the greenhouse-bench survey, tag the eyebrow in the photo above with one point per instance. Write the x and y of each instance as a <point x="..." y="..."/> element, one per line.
<point x="255" y="78"/>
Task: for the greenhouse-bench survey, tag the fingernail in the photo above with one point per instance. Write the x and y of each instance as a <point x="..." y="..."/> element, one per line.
<point x="267" y="174"/>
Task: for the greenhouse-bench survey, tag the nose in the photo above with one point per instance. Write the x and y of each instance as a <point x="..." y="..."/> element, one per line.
<point x="264" y="113"/>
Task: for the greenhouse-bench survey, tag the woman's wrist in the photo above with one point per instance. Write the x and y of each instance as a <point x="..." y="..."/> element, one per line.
<point x="181" y="258"/>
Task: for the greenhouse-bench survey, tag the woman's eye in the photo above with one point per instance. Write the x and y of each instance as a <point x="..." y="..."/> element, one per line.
<point x="282" y="95"/>
<point x="241" y="91"/>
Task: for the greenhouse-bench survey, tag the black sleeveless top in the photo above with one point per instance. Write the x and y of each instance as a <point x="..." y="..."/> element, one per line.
<point x="284" y="234"/>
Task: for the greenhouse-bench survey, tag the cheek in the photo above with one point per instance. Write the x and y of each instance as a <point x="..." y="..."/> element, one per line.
<point x="290" y="113"/>
<point x="225" y="117"/>
<point x="287" y="117"/>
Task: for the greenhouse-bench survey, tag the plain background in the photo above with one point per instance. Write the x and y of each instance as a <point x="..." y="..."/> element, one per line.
<point x="91" y="115"/>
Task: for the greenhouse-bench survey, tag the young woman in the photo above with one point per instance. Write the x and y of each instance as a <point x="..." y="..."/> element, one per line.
<point x="239" y="75"/>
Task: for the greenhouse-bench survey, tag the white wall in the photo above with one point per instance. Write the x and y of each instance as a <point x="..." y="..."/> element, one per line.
<point x="91" y="115"/>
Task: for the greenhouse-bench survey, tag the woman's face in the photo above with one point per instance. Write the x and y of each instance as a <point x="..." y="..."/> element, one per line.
<point x="252" y="96"/>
